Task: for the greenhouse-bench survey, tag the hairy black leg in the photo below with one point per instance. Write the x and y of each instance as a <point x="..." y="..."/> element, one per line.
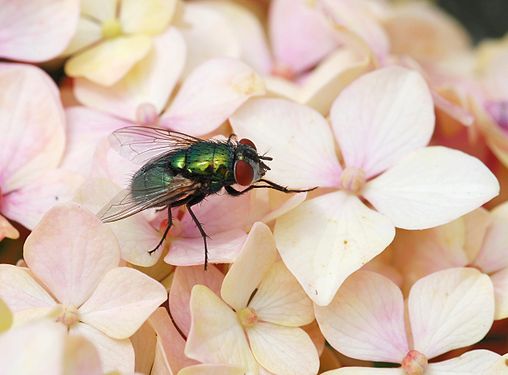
<point x="189" y="205"/>
<point x="269" y="185"/>
<point x="164" y="235"/>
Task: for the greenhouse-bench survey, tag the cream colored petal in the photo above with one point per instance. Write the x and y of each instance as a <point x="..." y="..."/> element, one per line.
<point x="450" y="309"/>
<point x="255" y="260"/>
<point x="500" y="281"/>
<point x="150" y="81"/>
<point x="326" y="239"/>
<point x="122" y="301"/>
<point x="283" y="350"/>
<point x="147" y="16"/>
<point x="207" y="35"/>
<point x="499" y="367"/>
<point x="216" y="335"/>
<point x="6" y="316"/>
<point x="7" y="230"/>
<point x="366" y="319"/>
<point x="101" y="10"/>
<point x="109" y="61"/>
<point x="87" y="33"/>
<point x="365" y="371"/>
<point x="281" y="300"/>
<point x="476" y="224"/>
<point x="115" y="355"/>
<point x="470" y="363"/>
<point x="211" y="370"/>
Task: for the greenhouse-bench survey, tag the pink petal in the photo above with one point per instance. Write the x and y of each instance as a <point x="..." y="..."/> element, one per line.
<point x="81" y="357"/>
<point x="33" y="136"/>
<point x="29" y="204"/>
<point x="216" y="335"/>
<point x="169" y="340"/>
<point x="7" y="230"/>
<point x="472" y="362"/>
<point x="366" y="319"/>
<point x="381" y="117"/>
<point x="184" y="279"/>
<point x="211" y="94"/>
<point x="150" y="81"/>
<point x="300" y="34"/>
<point x="430" y="187"/>
<point x="36" y="31"/>
<point x="326" y="239"/>
<point x="21" y="292"/>
<point x="222" y="248"/>
<point x="33" y="349"/>
<point x="492" y="256"/>
<point x="279" y="299"/>
<point x="450" y="309"/>
<point x="122" y="301"/>
<point x="86" y="128"/>
<point x="115" y="355"/>
<point x="298" y="138"/>
<point x="207" y="35"/>
<point x="69" y="251"/>
<point x="283" y="350"/>
<point x="257" y="256"/>
<point x="212" y="370"/>
<point x="500" y="282"/>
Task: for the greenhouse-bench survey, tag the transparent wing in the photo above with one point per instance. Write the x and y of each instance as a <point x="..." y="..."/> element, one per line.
<point x="141" y="144"/>
<point x="128" y="202"/>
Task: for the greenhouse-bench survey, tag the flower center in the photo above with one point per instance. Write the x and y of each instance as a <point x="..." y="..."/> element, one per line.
<point x="69" y="316"/>
<point x="499" y="112"/>
<point x="146" y="114"/>
<point x="414" y="363"/>
<point x="247" y="317"/>
<point x="352" y="179"/>
<point x="111" y="28"/>
<point x="248" y="84"/>
<point x="283" y="71"/>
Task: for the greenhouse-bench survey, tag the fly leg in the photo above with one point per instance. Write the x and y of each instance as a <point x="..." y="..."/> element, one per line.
<point x="164" y="235"/>
<point x="189" y="205"/>
<point x="268" y="185"/>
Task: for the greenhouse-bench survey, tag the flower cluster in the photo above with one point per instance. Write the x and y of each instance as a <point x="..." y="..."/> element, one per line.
<point x="390" y="121"/>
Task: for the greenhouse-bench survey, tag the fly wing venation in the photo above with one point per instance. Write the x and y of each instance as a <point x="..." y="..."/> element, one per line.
<point x="141" y="143"/>
<point x="126" y="203"/>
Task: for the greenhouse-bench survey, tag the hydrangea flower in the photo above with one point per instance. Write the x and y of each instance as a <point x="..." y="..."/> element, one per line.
<point x="113" y="36"/>
<point x="73" y="276"/>
<point x="258" y="332"/>
<point x="478" y="240"/>
<point x="36" y="31"/>
<point x="32" y="145"/>
<point x="445" y="310"/>
<point x="387" y="178"/>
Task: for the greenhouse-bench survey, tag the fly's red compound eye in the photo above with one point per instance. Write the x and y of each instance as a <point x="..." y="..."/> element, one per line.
<point x="248" y="142"/>
<point x="244" y="174"/>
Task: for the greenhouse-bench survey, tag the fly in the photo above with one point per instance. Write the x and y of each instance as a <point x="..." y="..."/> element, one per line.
<point x="179" y="169"/>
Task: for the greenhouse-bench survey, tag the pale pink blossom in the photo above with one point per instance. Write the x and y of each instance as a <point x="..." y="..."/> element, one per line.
<point x="31" y="147"/>
<point x="445" y="310"/>
<point x="258" y="333"/>
<point x="73" y="277"/>
<point x="478" y="239"/>
<point x="36" y="31"/>
<point x="113" y="36"/>
<point x="382" y="123"/>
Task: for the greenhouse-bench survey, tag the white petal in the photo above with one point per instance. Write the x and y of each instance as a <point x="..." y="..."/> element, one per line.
<point x="381" y="117"/>
<point x="258" y="254"/>
<point x="216" y="335"/>
<point x="281" y="300"/>
<point x="469" y="363"/>
<point x="326" y="239"/>
<point x="122" y="301"/>
<point x="147" y="16"/>
<point x="366" y="319"/>
<point x="101" y="10"/>
<point x="450" y="309"/>
<point x="430" y="187"/>
<point x="500" y="282"/>
<point x="211" y="93"/>
<point x="297" y="137"/>
<point x="211" y="370"/>
<point x="114" y="354"/>
<point x="283" y="350"/>
<point x="150" y="81"/>
<point x="365" y="371"/>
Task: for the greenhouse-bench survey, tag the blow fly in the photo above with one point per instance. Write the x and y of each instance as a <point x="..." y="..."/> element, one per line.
<point x="179" y="169"/>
